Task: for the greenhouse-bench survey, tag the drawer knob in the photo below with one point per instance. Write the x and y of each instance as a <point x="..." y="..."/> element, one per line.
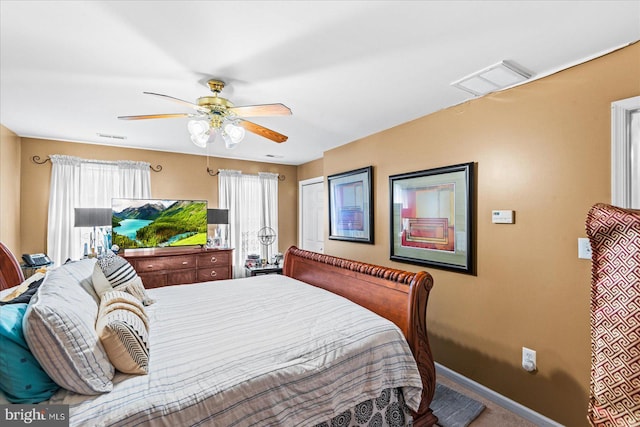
<point x="213" y="259"/>
<point x="185" y="262"/>
<point x="213" y="274"/>
<point x="150" y="266"/>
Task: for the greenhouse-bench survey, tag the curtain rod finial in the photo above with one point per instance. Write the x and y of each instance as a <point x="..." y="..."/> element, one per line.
<point x="36" y="159"/>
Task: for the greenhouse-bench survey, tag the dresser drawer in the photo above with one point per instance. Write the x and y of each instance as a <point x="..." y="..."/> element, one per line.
<point x="181" y="277"/>
<point x="165" y="263"/>
<point x="153" y="280"/>
<point x="216" y="273"/>
<point x="213" y="259"/>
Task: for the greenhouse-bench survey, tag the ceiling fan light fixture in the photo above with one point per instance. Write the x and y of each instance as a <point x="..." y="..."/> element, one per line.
<point x="229" y="142"/>
<point x="200" y="141"/>
<point x="236" y="133"/>
<point x="199" y="131"/>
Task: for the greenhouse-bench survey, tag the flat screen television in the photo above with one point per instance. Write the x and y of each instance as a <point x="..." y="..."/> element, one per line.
<point x="153" y="223"/>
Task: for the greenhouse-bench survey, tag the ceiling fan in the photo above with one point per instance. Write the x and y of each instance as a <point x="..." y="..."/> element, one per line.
<point x="216" y="115"/>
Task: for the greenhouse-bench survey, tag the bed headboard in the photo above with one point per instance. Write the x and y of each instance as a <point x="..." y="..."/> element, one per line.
<point x="10" y="271"/>
<point x="397" y="295"/>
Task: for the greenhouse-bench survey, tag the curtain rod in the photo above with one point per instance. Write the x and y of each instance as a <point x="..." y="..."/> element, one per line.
<point x="36" y="159"/>
<point x="213" y="173"/>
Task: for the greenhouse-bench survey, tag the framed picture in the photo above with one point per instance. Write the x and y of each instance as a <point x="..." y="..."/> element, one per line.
<point x="432" y="217"/>
<point x="350" y="206"/>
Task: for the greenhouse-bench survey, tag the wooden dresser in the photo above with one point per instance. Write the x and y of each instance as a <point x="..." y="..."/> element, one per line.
<point x="176" y="266"/>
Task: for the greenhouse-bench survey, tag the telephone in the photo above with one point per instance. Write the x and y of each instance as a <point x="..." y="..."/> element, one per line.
<point x="36" y="260"/>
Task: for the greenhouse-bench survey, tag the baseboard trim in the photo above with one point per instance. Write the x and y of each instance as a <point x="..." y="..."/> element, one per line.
<point x="513" y="406"/>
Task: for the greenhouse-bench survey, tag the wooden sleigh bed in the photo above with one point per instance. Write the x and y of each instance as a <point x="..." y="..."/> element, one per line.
<point x="399" y="296"/>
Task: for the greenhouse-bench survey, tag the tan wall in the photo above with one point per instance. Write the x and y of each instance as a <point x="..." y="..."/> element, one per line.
<point x="543" y="150"/>
<point x="182" y="176"/>
<point x="10" y="190"/>
<point x="310" y="170"/>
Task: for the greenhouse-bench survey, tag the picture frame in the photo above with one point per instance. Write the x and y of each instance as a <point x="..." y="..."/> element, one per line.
<point x="432" y="218"/>
<point x="350" y="206"/>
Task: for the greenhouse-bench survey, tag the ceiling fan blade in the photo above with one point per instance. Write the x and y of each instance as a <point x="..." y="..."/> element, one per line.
<point x="155" y="116"/>
<point x="261" y="110"/>
<point x="263" y="131"/>
<point x="180" y="101"/>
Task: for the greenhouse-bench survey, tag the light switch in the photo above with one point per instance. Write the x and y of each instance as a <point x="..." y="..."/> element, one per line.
<point x="584" y="248"/>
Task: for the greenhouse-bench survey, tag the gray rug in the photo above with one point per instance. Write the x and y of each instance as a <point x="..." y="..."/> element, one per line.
<point x="454" y="409"/>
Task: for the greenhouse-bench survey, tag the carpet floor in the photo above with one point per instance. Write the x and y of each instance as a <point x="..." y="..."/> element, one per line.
<point x="493" y="415"/>
<point x="454" y="409"/>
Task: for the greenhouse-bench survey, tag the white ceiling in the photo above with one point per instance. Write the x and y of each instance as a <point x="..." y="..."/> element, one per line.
<point x="347" y="69"/>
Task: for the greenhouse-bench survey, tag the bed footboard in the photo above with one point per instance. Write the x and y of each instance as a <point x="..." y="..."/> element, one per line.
<point x="397" y="295"/>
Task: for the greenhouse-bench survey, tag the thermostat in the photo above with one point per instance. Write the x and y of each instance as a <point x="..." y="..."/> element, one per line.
<point x="502" y="217"/>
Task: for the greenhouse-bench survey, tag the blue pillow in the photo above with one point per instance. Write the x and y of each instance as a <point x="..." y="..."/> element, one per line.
<point x="22" y="379"/>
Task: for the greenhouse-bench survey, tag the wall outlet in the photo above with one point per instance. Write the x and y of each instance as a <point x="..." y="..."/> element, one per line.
<point x="529" y="360"/>
<point x="584" y="248"/>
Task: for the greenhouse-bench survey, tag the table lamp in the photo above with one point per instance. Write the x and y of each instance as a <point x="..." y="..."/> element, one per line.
<point x="218" y="217"/>
<point x="92" y="217"/>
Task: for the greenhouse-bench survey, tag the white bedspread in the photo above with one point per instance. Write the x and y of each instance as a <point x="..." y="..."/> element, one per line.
<point x="265" y="350"/>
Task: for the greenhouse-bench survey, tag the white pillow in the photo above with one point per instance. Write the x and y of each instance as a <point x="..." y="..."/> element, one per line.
<point x="59" y="327"/>
<point x="124" y="332"/>
<point x="112" y="272"/>
<point x="100" y="282"/>
<point x="114" y="300"/>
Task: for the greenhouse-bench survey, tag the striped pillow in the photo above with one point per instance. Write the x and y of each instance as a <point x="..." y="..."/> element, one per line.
<point x="118" y="299"/>
<point x="112" y="272"/>
<point x="59" y="327"/>
<point x="124" y="332"/>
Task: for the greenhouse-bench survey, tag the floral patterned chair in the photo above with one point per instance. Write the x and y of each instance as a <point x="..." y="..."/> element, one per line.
<point x="614" y="234"/>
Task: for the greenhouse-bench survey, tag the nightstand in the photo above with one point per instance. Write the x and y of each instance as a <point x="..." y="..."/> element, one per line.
<point x="269" y="269"/>
<point x="30" y="270"/>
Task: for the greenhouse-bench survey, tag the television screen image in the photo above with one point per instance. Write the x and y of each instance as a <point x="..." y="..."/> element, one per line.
<point x="152" y="223"/>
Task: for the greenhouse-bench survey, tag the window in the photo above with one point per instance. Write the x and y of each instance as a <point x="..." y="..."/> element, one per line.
<point x="80" y="183"/>
<point x="252" y="201"/>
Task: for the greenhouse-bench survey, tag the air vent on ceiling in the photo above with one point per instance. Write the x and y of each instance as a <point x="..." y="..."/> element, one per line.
<point x="274" y="156"/>
<point x="496" y="77"/>
<point x="105" y="135"/>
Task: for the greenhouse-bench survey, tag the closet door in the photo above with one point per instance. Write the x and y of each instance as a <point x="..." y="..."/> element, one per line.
<point x="311" y="218"/>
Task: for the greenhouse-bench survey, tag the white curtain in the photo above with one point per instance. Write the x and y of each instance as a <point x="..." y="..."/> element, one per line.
<point x="269" y="206"/>
<point x="135" y="179"/>
<point x="252" y="201"/>
<point x="82" y="183"/>
<point x="63" y="239"/>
